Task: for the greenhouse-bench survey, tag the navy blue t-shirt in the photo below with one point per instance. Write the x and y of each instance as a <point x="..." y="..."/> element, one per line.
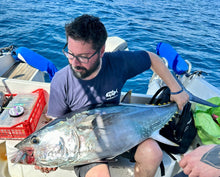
<point x="68" y="93"/>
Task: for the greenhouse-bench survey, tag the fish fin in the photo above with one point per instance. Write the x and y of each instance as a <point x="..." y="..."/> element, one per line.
<point x="127" y="97"/>
<point x="195" y="98"/>
<point x="156" y="136"/>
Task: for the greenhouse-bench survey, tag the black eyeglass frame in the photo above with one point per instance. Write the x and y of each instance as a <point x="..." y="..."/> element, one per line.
<point x="82" y="60"/>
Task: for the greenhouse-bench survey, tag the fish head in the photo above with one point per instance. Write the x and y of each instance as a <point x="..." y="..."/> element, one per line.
<point x="49" y="147"/>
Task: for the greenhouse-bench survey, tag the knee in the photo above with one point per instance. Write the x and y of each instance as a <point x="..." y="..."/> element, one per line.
<point x="149" y="151"/>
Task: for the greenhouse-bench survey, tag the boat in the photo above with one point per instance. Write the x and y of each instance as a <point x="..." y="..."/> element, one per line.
<point x="119" y="167"/>
<point x="24" y="64"/>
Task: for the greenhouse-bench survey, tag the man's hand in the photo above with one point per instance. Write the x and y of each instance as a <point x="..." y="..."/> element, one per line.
<point x="194" y="167"/>
<point x="181" y="99"/>
<point x="45" y="169"/>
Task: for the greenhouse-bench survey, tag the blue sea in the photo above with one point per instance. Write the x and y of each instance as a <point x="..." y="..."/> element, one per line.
<point x="192" y="27"/>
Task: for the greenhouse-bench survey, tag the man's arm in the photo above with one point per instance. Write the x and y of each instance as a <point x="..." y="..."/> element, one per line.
<point x="204" y="161"/>
<point x="212" y="157"/>
<point x="159" y="67"/>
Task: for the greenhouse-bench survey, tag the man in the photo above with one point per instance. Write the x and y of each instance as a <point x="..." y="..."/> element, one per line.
<point x="93" y="74"/>
<point x="204" y="161"/>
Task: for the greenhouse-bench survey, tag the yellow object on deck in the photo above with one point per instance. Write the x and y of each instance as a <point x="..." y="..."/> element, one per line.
<point x="3" y="156"/>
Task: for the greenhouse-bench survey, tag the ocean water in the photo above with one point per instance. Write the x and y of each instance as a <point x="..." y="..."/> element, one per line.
<point x="192" y="27"/>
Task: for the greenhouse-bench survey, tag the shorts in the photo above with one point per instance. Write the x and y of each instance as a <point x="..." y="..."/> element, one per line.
<point x="83" y="169"/>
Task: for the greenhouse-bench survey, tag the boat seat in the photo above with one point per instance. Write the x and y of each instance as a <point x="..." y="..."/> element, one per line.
<point x="115" y="44"/>
<point x="21" y="71"/>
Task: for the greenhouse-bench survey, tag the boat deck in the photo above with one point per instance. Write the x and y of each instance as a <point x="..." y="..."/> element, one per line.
<point x="21" y="71"/>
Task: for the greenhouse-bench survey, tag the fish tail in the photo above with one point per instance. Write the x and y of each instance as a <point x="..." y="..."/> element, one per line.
<point x="193" y="97"/>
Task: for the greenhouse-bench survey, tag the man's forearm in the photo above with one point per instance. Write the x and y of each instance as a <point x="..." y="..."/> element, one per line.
<point x="159" y="67"/>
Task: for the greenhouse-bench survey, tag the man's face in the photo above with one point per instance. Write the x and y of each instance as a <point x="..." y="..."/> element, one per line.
<point x="81" y="49"/>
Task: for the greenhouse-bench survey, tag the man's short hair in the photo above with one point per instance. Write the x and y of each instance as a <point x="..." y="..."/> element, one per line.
<point x="87" y="28"/>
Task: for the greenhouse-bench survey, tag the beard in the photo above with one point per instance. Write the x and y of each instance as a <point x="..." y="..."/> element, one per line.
<point x="81" y="72"/>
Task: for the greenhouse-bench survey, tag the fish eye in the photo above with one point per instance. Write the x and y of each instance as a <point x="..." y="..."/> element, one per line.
<point x="35" y="140"/>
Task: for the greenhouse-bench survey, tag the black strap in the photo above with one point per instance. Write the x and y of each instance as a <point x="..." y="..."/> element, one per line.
<point x="174" y="158"/>
<point x="162" y="169"/>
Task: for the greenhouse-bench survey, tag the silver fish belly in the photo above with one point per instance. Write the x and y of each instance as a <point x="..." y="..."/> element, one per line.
<point x="96" y="134"/>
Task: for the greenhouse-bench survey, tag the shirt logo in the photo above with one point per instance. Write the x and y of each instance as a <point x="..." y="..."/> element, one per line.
<point x="111" y="94"/>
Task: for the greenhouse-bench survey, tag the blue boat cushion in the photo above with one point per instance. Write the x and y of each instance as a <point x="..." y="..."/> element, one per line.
<point x="37" y="61"/>
<point x="175" y="61"/>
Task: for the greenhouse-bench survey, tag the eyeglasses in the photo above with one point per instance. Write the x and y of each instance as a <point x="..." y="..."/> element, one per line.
<point x="81" y="59"/>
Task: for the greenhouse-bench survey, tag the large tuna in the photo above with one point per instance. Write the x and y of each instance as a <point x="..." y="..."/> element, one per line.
<point x="93" y="135"/>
